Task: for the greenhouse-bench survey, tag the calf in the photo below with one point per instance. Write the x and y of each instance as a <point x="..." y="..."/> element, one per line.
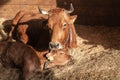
<point x="15" y="54"/>
<point x="53" y="58"/>
<point x="57" y="57"/>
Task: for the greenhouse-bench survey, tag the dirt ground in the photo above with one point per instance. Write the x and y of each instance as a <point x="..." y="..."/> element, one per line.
<point x="97" y="57"/>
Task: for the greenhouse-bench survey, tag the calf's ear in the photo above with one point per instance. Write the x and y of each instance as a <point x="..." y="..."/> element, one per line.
<point x="73" y="18"/>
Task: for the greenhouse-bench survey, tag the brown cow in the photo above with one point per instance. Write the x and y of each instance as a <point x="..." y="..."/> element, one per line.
<point x="34" y="29"/>
<point x="19" y="55"/>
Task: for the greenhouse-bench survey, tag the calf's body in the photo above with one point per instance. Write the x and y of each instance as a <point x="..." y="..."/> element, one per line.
<point x="19" y="55"/>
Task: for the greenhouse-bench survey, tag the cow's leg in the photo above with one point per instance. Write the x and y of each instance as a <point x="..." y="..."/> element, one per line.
<point x="18" y="16"/>
<point x="25" y="74"/>
<point x="42" y="59"/>
<point x="26" y="69"/>
<point x="22" y="33"/>
<point x="24" y="38"/>
<point x="10" y="34"/>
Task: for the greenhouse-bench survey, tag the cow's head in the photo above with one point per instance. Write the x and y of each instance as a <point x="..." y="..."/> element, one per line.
<point x="62" y="28"/>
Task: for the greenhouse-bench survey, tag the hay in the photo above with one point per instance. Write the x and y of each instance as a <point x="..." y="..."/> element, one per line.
<point x="3" y="34"/>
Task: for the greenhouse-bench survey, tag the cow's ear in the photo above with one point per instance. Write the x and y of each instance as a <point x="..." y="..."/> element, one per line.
<point x="73" y="18"/>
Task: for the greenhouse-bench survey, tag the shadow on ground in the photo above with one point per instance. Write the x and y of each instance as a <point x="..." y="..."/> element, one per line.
<point x="107" y="36"/>
<point x="13" y="74"/>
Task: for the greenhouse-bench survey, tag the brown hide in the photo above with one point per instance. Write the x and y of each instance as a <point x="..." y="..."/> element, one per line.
<point x="19" y="55"/>
<point x="30" y="28"/>
<point x="24" y="16"/>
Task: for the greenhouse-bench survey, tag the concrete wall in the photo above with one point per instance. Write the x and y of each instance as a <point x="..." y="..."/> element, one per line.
<point x="100" y="12"/>
<point x="91" y="12"/>
<point x="8" y="8"/>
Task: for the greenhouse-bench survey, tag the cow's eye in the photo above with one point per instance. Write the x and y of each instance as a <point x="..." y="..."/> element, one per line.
<point x="64" y="25"/>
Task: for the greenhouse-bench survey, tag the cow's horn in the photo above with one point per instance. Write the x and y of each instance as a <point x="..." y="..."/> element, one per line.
<point x="71" y="9"/>
<point x="42" y="11"/>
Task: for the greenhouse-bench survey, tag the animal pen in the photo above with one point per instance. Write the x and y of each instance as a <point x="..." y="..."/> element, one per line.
<point x="97" y="56"/>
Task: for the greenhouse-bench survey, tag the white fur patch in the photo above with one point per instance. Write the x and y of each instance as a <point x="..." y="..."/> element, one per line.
<point x="50" y="58"/>
<point x="1" y="22"/>
<point x="3" y="35"/>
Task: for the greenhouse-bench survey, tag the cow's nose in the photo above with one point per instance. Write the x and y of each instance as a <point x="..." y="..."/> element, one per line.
<point x="53" y="45"/>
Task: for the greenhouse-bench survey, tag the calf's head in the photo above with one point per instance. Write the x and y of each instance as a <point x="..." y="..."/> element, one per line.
<point x="62" y="28"/>
<point x="57" y="57"/>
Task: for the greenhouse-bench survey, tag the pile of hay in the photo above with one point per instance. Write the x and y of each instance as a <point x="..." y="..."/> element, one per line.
<point x="3" y="35"/>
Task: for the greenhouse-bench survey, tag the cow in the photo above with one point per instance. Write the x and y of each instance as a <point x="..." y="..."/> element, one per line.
<point x="16" y="54"/>
<point x="53" y="29"/>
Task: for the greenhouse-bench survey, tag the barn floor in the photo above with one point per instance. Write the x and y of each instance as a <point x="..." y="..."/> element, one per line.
<point x="96" y="58"/>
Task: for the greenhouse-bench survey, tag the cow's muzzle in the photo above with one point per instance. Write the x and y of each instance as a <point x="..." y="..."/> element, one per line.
<point x="55" y="45"/>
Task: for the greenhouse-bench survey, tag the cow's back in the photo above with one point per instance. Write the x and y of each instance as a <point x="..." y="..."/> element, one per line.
<point x="36" y="31"/>
<point x="38" y="34"/>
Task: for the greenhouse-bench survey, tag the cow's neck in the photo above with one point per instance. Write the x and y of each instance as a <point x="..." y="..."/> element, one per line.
<point x="69" y="39"/>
